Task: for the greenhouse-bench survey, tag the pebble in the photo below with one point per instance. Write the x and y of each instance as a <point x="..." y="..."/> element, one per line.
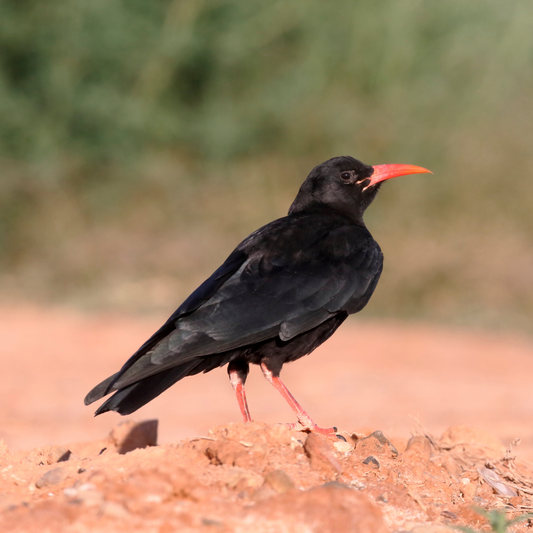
<point x="371" y="461"/>
<point x="418" y="448"/>
<point x="130" y="435"/>
<point x="378" y="435"/>
<point x="52" y="477"/>
<point x="320" y="453"/>
<point x="49" y="455"/>
<point x="343" y="446"/>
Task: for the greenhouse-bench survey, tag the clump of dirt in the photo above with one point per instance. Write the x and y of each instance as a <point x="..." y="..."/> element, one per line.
<point x="263" y="478"/>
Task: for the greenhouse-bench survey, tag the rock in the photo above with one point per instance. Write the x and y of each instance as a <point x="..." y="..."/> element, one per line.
<point x="52" y="477"/>
<point x="343" y="446"/>
<point x="321" y="454"/>
<point x="49" y="455"/>
<point x="418" y="449"/>
<point x="279" y="481"/>
<point x="233" y="453"/>
<point x="376" y="443"/>
<point x="336" y="484"/>
<point x="130" y="435"/>
<point x="227" y="452"/>
<point x="212" y="522"/>
<point x="372" y="462"/>
<point x="58" y="454"/>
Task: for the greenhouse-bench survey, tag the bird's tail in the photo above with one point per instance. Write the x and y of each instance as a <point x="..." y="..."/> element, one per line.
<point x="132" y="397"/>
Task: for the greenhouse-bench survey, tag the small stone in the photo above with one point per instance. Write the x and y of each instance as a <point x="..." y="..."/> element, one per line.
<point x="279" y="481"/>
<point x="384" y="441"/>
<point x="213" y="522"/>
<point x="52" y="477"/>
<point x="449" y="515"/>
<point x="233" y="453"/>
<point x="130" y="435"/>
<point x="419" y="449"/>
<point x="343" y="446"/>
<point x="49" y="455"/>
<point x="336" y="484"/>
<point x="372" y="462"/>
<point x="356" y="484"/>
<point x="321" y="454"/>
<point x="58" y="454"/>
<point x="297" y="445"/>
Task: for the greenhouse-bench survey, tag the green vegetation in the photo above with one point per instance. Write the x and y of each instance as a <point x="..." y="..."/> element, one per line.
<point x="497" y="521"/>
<point x="141" y="140"/>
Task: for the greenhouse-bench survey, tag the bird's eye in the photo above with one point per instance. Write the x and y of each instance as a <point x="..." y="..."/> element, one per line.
<point x="346" y="176"/>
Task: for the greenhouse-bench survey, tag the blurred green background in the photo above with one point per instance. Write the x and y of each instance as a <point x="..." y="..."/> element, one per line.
<point x="141" y="140"/>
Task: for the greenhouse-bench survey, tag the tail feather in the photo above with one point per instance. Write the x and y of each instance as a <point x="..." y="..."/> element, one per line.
<point x="101" y="390"/>
<point x="133" y="396"/>
<point x="128" y="399"/>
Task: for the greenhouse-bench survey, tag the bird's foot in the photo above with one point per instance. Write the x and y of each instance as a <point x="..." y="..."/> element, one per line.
<point x="330" y="433"/>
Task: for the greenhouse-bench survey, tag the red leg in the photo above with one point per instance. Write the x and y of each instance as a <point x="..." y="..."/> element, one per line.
<point x="304" y="420"/>
<point x="237" y="383"/>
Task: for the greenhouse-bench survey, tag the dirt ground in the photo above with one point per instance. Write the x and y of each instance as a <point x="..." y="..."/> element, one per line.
<point x="464" y="395"/>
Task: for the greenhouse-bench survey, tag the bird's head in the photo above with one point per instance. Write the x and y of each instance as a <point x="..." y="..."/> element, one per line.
<point x="346" y="185"/>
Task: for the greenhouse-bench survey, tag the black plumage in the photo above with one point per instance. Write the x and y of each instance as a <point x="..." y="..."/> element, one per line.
<point x="281" y="293"/>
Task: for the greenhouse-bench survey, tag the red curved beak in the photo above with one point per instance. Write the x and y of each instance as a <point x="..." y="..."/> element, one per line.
<point x="386" y="172"/>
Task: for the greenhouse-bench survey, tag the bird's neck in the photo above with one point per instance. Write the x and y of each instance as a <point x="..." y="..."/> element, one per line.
<point x="321" y="209"/>
<point x="352" y="206"/>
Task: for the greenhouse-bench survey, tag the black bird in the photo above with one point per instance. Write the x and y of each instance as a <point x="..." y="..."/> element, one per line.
<point x="281" y="293"/>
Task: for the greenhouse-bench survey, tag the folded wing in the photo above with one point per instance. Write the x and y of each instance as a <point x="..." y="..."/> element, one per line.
<point x="283" y="280"/>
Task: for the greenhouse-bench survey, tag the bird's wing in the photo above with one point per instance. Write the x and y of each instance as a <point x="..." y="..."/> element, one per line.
<point x="291" y="278"/>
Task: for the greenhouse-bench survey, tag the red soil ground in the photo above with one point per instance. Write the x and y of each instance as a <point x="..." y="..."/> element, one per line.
<point x="369" y="376"/>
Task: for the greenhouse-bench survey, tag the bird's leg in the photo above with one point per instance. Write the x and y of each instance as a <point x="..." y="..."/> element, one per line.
<point x="238" y="371"/>
<point x="304" y="420"/>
